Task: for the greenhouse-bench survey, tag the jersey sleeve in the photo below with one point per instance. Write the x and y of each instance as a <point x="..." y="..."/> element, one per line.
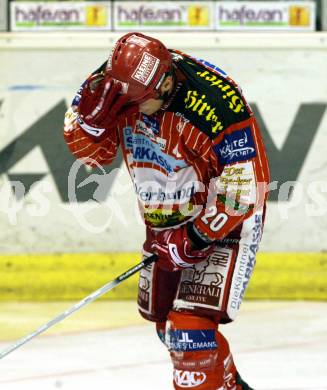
<point x="93" y="151"/>
<point x="240" y="184"/>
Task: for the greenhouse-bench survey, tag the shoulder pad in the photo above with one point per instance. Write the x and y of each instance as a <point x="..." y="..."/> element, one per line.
<point x="210" y="100"/>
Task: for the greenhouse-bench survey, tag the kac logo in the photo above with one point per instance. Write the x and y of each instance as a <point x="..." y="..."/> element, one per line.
<point x="235" y="147"/>
<point x="189" y="378"/>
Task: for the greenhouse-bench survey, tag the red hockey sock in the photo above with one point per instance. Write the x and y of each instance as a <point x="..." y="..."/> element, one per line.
<point x="232" y="380"/>
<point x="225" y="357"/>
<point x="194" y="352"/>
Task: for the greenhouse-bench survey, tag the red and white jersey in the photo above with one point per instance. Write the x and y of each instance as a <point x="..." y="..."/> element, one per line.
<point x="217" y="177"/>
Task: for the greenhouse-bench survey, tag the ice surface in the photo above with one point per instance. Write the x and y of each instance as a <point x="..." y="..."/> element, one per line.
<point x="276" y="345"/>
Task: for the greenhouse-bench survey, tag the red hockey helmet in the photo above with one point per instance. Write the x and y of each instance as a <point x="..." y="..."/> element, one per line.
<point x="141" y="63"/>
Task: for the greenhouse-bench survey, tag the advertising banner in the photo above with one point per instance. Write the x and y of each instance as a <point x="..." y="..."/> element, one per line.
<point x="30" y="16"/>
<point x="265" y="15"/>
<point x="164" y="15"/>
<point x="3" y="15"/>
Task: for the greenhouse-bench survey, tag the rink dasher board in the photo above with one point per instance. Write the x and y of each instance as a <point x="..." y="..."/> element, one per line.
<point x="72" y="276"/>
<point x="186" y="40"/>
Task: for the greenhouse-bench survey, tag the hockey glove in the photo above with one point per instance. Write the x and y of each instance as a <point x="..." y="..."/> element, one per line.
<point x="100" y="105"/>
<point x="176" y="251"/>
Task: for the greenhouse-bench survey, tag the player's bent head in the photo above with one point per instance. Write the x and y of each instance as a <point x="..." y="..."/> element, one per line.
<point x="143" y="65"/>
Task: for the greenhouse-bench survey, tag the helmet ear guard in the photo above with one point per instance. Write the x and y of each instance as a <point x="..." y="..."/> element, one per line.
<point x="141" y="64"/>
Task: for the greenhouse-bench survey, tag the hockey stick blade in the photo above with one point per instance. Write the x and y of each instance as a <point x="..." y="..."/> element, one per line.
<point x="90" y="298"/>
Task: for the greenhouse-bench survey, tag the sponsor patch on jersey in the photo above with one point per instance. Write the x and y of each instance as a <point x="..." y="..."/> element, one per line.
<point x="254" y="246"/>
<point x="144" y="149"/>
<point x="245" y="263"/>
<point x="235" y="147"/>
<point x="162" y="218"/>
<point x="209" y="99"/>
<point x="142" y="127"/>
<point x="152" y="123"/>
<point x="229" y="93"/>
<point x="146" y="69"/>
<point x="192" y="340"/>
<point x="155" y="194"/>
<point x="199" y="104"/>
<point x="237" y="183"/>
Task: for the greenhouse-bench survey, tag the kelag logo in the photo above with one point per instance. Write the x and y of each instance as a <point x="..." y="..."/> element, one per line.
<point x="46" y="134"/>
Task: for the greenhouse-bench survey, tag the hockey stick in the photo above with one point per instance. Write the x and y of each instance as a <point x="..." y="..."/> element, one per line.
<point x="90" y="298"/>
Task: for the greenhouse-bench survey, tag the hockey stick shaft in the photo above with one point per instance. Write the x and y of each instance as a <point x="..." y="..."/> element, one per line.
<point x="90" y="298"/>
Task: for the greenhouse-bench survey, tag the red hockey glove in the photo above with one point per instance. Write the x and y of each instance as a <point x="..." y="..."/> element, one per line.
<point x="176" y="251"/>
<point x="101" y="103"/>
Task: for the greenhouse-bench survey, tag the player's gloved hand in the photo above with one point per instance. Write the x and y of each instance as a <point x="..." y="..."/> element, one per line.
<point x="176" y="251"/>
<point x="100" y="104"/>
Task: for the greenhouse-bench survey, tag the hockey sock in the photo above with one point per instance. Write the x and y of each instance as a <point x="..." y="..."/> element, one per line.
<point x="232" y="379"/>
<point x="194" y="352"/>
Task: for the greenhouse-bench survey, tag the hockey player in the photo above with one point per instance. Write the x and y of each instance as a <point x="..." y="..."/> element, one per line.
<point x="197" y="161"/>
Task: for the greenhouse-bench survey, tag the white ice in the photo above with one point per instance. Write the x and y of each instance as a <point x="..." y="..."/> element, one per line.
<point x="276" y="345"/>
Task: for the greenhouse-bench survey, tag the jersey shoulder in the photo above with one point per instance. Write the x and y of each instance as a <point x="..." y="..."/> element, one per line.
<point x="207" y="97"/>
